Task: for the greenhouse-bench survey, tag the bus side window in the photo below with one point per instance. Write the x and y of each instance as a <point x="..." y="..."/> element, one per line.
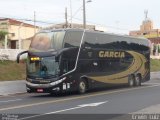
<point x="68" y="65"/>
<point x="73" y="39"/>
<point x="65" y="66"/>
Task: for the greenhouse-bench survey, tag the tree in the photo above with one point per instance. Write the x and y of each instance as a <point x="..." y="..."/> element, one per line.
<point x="2" y="35"/>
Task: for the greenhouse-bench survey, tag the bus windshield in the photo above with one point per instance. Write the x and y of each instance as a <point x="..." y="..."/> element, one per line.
<point x="46" y="41"/>
<point x="44" y="67"/>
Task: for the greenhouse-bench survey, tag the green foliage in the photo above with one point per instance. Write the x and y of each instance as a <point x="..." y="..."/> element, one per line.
<point x="2" y="35"/>
<point x="10" y="70"/>
<point x="155" y="65"/>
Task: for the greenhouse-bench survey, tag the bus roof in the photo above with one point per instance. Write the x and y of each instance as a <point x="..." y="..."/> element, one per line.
<point x="112" y="34"/>
<point x="77" y="29"/>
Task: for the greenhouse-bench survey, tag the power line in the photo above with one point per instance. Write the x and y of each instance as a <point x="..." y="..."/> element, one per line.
<point x="53" y="23"/>
<point x="29" y="20"/>
<point x="113" y="27"/>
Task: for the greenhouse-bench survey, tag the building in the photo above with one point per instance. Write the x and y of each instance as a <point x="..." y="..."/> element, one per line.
<point x="147" y="30"/>
<point x="19" y="34"/>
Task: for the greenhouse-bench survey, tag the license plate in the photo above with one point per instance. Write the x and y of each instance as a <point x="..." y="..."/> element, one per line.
<point x="39" y="90"/>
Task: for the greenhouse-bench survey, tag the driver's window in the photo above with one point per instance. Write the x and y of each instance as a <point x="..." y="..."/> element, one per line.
<point x="65" y="66"/>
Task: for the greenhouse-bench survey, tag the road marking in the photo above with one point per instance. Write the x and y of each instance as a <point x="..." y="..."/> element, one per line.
<point x="79" y="106"/>
<point x="10" y="100"/>
<point x="78" y="97"/>
<point x="92" y="104"/>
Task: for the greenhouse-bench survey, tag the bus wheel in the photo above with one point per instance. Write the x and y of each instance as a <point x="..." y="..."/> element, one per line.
<point x="138" y="80"/>
<point x="82" y="87"/>
<point x="131" y="81"/>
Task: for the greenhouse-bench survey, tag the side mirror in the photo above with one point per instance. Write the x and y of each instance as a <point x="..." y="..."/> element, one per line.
<point x="21" y="53"/>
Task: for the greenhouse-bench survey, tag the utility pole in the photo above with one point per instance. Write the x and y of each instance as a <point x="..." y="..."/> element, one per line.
<point x="34" y="22"/>
<point x="71" y="12"/>
<point x="66" y="19"/>
<point x="84" y="14"/>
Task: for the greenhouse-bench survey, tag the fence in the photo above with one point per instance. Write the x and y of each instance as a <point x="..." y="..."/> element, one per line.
<point x="10" y="54"/>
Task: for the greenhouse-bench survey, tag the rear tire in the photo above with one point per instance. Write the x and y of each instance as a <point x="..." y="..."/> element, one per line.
<point x="131" y="81"/>
<point x="82" y="87"/>
<point x="138" y="80"/>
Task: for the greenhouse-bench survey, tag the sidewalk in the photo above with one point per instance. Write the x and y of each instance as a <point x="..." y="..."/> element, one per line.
<point x="150" y="110"/>
<point x="155" y="75"/>
<point x="18" y="86"/>
<point x="12" y="87"/>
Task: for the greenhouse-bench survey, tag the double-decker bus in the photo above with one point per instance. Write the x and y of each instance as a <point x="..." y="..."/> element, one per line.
<point x="80" y="60"/>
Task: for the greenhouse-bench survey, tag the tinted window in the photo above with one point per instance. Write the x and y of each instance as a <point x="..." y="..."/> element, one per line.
<point x="111" y="41"/>
<point x="47" y="40"/>
<point x="41" y="41"/>
<point x="57" y="40"/>
<point x="98" y="40"/>
<point x="91" y="38"/>
<point x="73" y="39"/>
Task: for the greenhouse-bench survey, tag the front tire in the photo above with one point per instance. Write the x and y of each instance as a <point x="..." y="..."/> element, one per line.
<point x="82" y="87"/>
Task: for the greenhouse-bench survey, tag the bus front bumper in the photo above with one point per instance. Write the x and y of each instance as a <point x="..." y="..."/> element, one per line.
<point x="44" y="88"/>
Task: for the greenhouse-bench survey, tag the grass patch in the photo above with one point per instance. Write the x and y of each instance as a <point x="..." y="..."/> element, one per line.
<point x="10" y="70"/>
<point x="155" y="65"/>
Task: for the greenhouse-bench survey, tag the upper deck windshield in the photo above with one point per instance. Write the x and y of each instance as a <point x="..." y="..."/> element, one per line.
<point x="46" y="41"/>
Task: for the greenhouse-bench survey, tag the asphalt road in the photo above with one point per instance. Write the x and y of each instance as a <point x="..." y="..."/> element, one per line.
<point x="111" y="103"/>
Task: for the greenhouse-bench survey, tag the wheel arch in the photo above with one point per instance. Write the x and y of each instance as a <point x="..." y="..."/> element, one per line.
<point x="85" y="78"/>
<point x="131" y="75"/>
<point x="140" y="75"/>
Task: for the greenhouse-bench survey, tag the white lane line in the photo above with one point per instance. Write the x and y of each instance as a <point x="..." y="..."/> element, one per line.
<point x="10" y="100"/>
<point x="59" y="111"/>
<point x="79" y="106"/>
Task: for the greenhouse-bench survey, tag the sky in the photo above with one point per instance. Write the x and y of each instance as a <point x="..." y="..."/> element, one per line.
<point x="117" y="16"/>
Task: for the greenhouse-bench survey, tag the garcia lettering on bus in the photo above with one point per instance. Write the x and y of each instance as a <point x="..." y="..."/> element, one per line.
<point x="111" y="54"/>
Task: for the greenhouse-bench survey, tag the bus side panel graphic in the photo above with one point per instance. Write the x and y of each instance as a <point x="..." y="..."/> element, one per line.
<point x="137" y="66"/>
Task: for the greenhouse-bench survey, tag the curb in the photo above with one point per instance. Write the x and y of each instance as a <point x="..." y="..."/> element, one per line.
<point x="18" y="93"/>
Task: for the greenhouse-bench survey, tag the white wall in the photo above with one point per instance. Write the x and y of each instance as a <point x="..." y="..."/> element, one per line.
<point x="11" y="53"/>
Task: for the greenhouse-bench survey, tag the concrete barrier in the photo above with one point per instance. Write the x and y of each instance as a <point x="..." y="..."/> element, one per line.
<point x="155" y="57"/>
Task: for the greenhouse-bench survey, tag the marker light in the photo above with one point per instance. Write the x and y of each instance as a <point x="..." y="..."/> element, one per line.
<point x="35" y="58"/>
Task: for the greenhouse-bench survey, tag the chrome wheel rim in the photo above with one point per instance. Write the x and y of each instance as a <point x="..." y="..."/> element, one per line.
<point x="137" y="80"/>
<point x="131" y="82"/>
<point x="82" y="87"/>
